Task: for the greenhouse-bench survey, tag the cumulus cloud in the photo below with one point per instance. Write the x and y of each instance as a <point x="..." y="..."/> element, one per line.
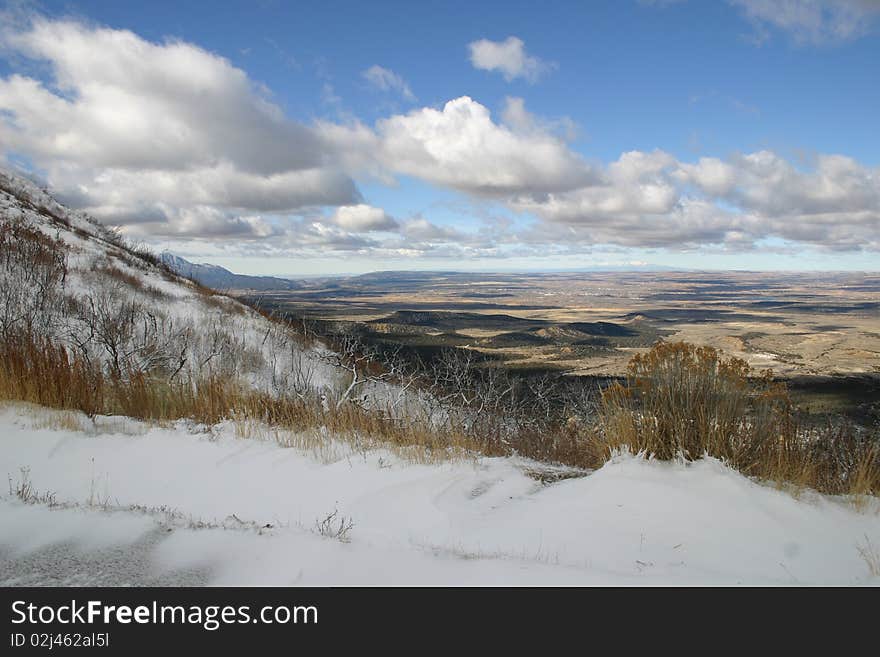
<point x="709" y="174"/>
<point x="122" y="101"/>
<point x="654" y="200"/>
<point x="835" y="203"/>
<point x="460" y="146"/>
<point x="689" y="224"/>
<point x="508" y="57"/>
<point x="636" y="184"/>
<point x="811" y="21"/>
<point x="387" y="80"/>
<point x="518" y="118"/>
<point x="126" y="125"/>
<point x="362" y="218"/>
<point x="420" y="229"/>
<point x="199" y="222"/>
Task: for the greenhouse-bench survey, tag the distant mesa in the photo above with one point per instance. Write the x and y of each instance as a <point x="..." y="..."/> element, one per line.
<point x="602" y="328"/>
<point x="446" y="320"/>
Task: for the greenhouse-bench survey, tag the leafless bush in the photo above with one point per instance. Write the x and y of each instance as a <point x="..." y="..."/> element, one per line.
<point x="334" y="526"/>
<point x="871" y="556"/>
<point x="33" y="268"/>
<point x="361" y="362"/>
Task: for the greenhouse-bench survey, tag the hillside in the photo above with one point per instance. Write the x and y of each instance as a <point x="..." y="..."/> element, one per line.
<point x="123" y="309"/>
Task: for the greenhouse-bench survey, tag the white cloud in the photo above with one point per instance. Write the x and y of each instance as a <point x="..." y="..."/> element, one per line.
<point x="461" y="147"/>
<point x="766" y="183"/>
<point x="508" y="57"/>
<point x="420" y="229"/>
<point x="811" y="21"/>
<point x="128" y="126"/>
<point x="387" y="80"/>
<point x="710" y="174"/>
<point x="518" y="118"/>
<point x="686" y="224"/>
<point x="203" y="222"/>
<point x="635" y="185"/>
<point x="363" y="218"/>
<point x="653" y="200"/>
<point x="125" y="102"/>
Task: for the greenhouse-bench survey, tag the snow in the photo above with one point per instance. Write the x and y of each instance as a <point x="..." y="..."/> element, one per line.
<point x="196" y="505"/>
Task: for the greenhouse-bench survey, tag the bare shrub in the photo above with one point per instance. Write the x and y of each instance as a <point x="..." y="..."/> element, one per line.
<point x="685" y="401"/>
<point x="871" y="556"/>
<point x="33" y="268"/>
<point x="334" y="526"/>
<point x="360" y="360"/>
<point x="681" y="400"/>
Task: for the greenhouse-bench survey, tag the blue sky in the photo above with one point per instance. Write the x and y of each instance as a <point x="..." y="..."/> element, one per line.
<point x="751" y="126"/>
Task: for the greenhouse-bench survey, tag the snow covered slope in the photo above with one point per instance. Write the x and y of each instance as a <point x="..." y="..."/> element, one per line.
<point x="120" y="306"/>
<point x="219" y="278"/>
<point x="139" y="505"/>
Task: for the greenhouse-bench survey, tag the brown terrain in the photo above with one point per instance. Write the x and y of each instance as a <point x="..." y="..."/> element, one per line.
<point x="804" y="327"/>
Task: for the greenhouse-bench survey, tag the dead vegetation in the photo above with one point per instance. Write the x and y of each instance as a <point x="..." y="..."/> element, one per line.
<point x="24" y="490"/>
<point x="871" y="556"/>
<point x="111" y="271"/>
<point x="334" y="526"/>
<point x="682" y="401"/>
<point x="679" y="402"/>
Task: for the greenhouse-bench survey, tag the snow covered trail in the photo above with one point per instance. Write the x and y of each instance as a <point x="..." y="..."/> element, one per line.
<point x="213" y="509"/>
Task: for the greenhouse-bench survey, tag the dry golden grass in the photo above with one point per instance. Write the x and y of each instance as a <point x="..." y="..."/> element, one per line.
<point x="682" y="401"/>
<point x="48" y="375"/>
<point x="113" y="272"/>
<point x="679" y="401"/>
<point x="51" y="376"/>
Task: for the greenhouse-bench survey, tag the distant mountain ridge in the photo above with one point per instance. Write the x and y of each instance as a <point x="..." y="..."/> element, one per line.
<point x="219" y="278"/>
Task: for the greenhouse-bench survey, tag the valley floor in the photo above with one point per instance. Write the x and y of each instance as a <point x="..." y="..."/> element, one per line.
<point x="185" y="505"/>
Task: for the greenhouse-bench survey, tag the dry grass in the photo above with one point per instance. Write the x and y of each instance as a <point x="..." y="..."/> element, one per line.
<point x="46" y="374"/>
<point x="24" y="490"/>
<point x="113" y="272"/>
<point x="679" y="401"/>
<point x="682" y="401"/>
<point x="51" y="376"/>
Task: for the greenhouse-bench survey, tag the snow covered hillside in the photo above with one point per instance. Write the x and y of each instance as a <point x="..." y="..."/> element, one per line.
<point x="123" y="503"/>
<point x="67" y="279"/>
<point x="218" y="278"/>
